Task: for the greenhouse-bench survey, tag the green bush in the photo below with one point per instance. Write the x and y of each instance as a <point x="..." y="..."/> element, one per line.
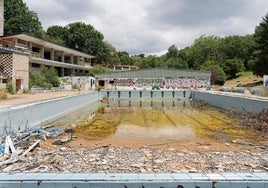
<point x="45" y="78"/>
<point x="10" y="87"/>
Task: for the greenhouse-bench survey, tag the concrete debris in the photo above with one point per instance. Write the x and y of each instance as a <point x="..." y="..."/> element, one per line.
<point x="18" y="145"/>
<point x="134" y="160"/>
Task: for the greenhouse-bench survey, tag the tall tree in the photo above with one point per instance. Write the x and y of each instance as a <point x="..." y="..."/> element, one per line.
<point x="57" y="33"/>
<point x="112" y="57"/>
<point x="19" y="19"/>
<point x="259" y="64"/>
<point x="87" y="39"/>
<point x="125" y="58"/>
<point x="204" y="49"/>
<point x="217" y="74"/>
<point x="172" y="52"/>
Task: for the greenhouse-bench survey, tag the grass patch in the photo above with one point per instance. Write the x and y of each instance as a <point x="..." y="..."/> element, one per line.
<point x="244" y="73"/>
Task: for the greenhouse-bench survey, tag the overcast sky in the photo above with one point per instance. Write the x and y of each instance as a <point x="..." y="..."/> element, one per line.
<point x="152" y="26"/>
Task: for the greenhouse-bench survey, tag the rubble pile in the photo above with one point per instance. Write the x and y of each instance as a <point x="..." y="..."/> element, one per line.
<point x="135" y="160"/>
<point x="15" y="147"/>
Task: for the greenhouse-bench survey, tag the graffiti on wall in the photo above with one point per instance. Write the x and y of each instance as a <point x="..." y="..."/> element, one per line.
<point x="166" y="83"/>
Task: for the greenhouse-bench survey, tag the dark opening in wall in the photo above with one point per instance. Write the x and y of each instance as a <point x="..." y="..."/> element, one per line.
<point x="101" y="83"/>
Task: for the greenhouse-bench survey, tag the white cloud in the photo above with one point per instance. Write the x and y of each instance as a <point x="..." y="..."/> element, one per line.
<point x="151" y="26"/>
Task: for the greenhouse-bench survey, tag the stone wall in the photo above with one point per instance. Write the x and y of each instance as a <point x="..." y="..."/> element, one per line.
<point x="21" y="70"/>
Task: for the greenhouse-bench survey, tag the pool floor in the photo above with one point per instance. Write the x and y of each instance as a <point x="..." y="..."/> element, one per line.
<point x="162" y="120"/>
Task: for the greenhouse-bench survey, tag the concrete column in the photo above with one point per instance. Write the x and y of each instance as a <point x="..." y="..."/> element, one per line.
<point x="15" y="41"/>
<point x="1" y="17"/>
<point x="52" y="54"/>
<point x="73" y="72"/>
<point x="62" y="57"/>
<point x="72" y="59"/>
<point x="30" y="46"/>
<point x="62" y="72"/>
<point x="42" y="52"/>
<point x="82" y="61"/>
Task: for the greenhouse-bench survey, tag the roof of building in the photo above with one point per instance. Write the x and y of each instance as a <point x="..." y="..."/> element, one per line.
<point x="156" y="73"/>
<point x="48" y="44"/>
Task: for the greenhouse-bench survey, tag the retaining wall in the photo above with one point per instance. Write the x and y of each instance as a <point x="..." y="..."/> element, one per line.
<point x="34" y="114"/>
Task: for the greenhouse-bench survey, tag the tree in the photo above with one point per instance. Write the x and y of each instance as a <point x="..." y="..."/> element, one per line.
<point x="217" y="74"/>
<point x="97" y="69"/>
<point x="57" y="34"/>
<point x="85" y="38"/>
<point x="137" y="60"/>
<point x="172" y="52"/>
<point x="19" y="19"/>
<point x="150" y="61"/>
<point x="259" y="63"/>
<point x="233" y="66"/>
<point x="205" y="48"/>
<point x="125" y="58"/>
<point x="112" y="57"/>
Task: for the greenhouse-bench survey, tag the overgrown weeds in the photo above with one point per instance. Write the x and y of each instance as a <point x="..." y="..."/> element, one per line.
<point x="3" y="94"/>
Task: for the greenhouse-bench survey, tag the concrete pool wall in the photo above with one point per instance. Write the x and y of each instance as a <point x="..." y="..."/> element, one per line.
<point x="34" y="114"/>
<point x="37" y="113"/>
<point x="231" y="101"/>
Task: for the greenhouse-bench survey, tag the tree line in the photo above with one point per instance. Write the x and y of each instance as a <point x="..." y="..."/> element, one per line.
<point x="223" y="56"/>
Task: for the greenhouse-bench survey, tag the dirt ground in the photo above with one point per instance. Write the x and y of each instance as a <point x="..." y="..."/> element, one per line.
<point x="196" y="144"/>
<point x="245" y="81"/>
<point x="22" y="98"/>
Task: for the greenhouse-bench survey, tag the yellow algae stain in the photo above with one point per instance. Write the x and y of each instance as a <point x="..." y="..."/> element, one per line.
<point x="162" y="120"/>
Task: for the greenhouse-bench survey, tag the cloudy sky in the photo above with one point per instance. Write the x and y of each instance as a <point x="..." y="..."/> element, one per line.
<point x="151" y="26"/>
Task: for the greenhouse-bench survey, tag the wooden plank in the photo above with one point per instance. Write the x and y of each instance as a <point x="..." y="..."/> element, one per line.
<point x="31" y="147"/>
<point x="9" y="144"/>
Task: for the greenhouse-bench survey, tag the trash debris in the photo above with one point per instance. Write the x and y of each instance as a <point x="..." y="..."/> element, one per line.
<point x="9" y="146"/>
<point x="15" y="146"/>
<point x="30" y="148"/>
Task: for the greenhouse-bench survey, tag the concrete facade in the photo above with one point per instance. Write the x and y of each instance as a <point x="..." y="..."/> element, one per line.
<point x="1" y="17"/>
<point x="20" y="73"/>
<point x="15" y="67"/>
<point x="21" y="52"/>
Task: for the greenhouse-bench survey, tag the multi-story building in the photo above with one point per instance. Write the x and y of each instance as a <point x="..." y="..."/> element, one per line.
<point x="19" y="53"/>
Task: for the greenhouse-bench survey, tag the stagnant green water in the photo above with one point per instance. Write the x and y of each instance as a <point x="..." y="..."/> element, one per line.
<point x="163" y="119"/>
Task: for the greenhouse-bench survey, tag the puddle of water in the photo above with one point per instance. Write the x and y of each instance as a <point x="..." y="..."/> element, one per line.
<point x="161" y="119"/>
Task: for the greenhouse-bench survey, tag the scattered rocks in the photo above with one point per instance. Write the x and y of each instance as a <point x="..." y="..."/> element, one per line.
<point x="136" y="160"/>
